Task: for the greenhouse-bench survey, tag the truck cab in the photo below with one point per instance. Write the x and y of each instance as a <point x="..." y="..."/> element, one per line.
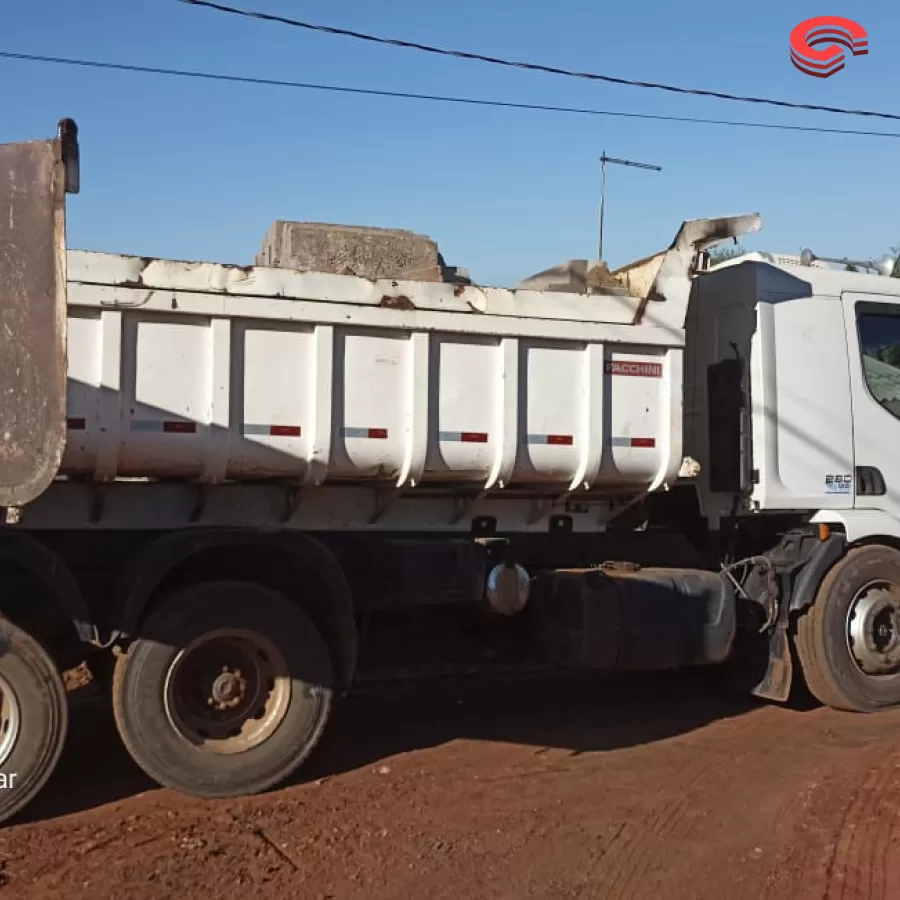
<point x="791" y="408"/>
<point x="792" y="393"/>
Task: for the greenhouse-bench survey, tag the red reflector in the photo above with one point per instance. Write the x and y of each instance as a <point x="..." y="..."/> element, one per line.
<point x="179" y="427"/>
<point x="643" y="442"/>
<point x="560" y="439"/>
<point x="473" y="437"/>
<point x="284" y="430"/>
<point x="76" y="424"/>
<point x="378" y="433"/>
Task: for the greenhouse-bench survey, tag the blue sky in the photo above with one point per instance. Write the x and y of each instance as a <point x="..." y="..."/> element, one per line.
<point x="189" y="169"/>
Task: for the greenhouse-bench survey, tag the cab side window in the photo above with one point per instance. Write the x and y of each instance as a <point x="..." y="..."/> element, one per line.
<point x="879" y="339"/>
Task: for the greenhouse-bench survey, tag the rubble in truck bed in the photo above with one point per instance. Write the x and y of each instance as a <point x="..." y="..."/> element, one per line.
<point x="575" y="276"/>
<point x="366" y="252"/>
<point x="391" y="253"/>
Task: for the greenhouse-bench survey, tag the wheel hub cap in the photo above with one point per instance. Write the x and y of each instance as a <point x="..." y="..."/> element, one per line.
<point x="873" y="629"/>
<point x="10" y="718"/>
<point x="227" y="691"/>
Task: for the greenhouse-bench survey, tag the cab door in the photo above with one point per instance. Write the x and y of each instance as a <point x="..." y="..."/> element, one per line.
<point x="873" y="332"/>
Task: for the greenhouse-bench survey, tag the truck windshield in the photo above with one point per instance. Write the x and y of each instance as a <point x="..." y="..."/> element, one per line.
<point x="879" y="338"/>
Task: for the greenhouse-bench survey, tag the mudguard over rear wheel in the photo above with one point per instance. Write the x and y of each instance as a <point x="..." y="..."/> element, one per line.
<point x="33" y="718"/>
<point x="848" y="641"/>
<point x="226" y="691"/>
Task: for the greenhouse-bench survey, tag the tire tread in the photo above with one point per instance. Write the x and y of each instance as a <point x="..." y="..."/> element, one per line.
<point x="811" y="634"/>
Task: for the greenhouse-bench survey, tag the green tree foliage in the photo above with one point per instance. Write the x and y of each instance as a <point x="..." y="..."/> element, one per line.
<point x="888" y="353"/>
<point x="720" y="254"/>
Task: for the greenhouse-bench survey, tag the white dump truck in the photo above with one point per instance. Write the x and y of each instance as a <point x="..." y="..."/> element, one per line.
<point x="234" y="491"/>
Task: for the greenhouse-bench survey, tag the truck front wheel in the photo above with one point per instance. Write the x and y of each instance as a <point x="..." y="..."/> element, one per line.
<point x="848" y="641"/>
<point x="226" y="691"/>
<point x="33" y="718"/>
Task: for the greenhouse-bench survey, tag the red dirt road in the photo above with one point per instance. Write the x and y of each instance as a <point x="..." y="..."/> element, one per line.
<point x="657" y="787"/>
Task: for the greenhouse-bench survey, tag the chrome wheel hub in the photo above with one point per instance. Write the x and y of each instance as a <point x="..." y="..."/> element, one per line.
<point x="873" y="629"/>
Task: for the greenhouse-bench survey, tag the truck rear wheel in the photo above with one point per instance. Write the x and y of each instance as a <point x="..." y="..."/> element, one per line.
<point x="848" y="641"/>
<point x="226" y="691"/>
<point x="34" y="716"/>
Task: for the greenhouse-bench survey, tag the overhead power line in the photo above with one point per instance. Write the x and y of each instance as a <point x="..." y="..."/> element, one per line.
<point x="534" y="67"/>
<point x="434" y="98"/>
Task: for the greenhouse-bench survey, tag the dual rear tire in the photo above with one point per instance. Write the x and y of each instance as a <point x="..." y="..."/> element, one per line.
<point x="226" y="692"/>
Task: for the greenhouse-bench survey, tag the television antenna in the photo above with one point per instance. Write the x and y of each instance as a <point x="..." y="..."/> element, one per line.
<point x="604" y="159"/>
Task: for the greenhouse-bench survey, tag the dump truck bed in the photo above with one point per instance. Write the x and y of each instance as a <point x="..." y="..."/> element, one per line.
<point x="219" y="373"/>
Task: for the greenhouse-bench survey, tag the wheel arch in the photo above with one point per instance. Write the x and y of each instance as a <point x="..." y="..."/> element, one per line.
<point x="828" y="554"/>
<point x="823" y="557"/>
<point x="877" y="540"/>
<point x="24" y="554"/>
<point x="281" y="561"/>
<point x="862" y="525"/>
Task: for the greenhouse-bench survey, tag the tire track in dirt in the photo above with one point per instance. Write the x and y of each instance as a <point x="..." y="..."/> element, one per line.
<point x="626" y="838"/>
<point x="678" y="820"/>
<point x="635" y="847"/>
<point x="859" y="834"/>
<point x="872" y="841"/>
<point x="862" y="856"/>
<point x="642" y="846"/>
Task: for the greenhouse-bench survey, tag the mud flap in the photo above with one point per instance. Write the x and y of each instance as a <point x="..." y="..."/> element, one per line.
<point x="767" y="673"/>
